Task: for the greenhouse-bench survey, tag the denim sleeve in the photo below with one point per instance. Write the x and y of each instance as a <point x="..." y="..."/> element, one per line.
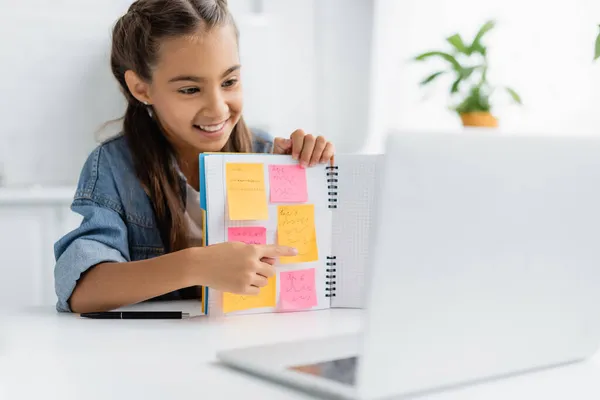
<point x="101" y="236"/>
<point x="263" y="141"/>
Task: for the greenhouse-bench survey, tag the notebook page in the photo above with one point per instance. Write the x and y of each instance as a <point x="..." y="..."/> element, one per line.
<point x="358" y="179"/>
<point x="218" y="220"/>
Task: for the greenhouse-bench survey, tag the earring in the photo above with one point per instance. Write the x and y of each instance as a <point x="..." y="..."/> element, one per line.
<point x="149" y="109"/>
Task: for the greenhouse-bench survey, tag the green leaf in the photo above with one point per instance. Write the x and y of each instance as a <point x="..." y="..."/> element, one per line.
<point x="465" y="73"/>
<point x="476" y="100"/>
<point x="455" y="85"/>
<point x="488" y="26"/>
<point x="484" y="75"/>
<point x="431" y="78"/>
<point x="514" y="95"/>
<point x="455" y="64"/>
<point x="457" y="42"/>
<point x="477" y="46"/>
<point x="597" y="55"/>
<point x="484" y="102"/>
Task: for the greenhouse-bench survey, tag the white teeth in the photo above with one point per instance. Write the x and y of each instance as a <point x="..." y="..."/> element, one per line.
<point x="212" y="128"/>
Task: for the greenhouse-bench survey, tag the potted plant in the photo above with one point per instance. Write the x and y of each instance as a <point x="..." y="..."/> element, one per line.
<point x="468" y="63"/>
<point x="597" y="54"/>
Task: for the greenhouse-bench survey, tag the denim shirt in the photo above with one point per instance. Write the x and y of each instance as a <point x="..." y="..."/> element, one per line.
<point x="118" y="220"/>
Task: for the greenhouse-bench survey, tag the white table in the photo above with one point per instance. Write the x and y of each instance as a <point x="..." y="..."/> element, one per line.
<point x="46" y="355"/>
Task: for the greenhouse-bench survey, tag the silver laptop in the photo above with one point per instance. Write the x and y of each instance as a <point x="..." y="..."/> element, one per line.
<point x="486" y="264"/>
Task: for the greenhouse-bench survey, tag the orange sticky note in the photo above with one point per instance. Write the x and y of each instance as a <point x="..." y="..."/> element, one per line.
<point x="246" y="193"/>
<point x="266" y="298"/>
<point x="296" y="228"/>
<point x="297" y="290"/>
<point x="288" y="184"/>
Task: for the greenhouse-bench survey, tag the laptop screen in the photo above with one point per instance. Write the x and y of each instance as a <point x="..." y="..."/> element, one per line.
<point x="342" y="370"/>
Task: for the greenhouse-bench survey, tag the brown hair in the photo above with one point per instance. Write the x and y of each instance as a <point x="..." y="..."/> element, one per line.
<point x="135" y="43"/>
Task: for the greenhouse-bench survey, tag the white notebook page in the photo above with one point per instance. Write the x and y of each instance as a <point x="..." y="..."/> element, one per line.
<point x="358" y="180"/>
<point x="218" y="220"/>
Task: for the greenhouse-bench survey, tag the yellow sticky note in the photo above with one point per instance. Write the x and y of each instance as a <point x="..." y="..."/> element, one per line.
<point x="246" y="192"/>
<point x="266" y="298"/>
<point x="296" y="228"/>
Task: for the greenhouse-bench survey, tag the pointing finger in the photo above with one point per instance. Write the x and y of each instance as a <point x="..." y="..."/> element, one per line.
<point x="276" y="251"/>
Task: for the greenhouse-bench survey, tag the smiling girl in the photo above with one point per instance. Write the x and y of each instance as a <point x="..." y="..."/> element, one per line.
<point x="177" y="62"/>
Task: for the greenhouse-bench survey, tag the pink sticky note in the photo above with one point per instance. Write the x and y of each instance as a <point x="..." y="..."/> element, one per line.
<point x="248" y="235"/>
<point x="288" y="184"/>
<point x="297" y="290"/>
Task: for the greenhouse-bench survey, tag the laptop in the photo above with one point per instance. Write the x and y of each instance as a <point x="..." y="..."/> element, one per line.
<point x="486" y="264"/>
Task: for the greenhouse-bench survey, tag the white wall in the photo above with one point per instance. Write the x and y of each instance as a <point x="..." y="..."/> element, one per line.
<point x="56" y="86"/>
<point x="312" y="68"/>
<point x="291" y="66"/>
<point x="344" y="43"/>
<point x="543" y="49"/>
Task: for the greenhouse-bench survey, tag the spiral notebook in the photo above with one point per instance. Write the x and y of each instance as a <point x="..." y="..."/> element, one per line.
<point x="325" y="211"/>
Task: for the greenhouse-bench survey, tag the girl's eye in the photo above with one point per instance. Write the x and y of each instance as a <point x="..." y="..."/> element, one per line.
<point x="229" y="83"/>
<point x="191" y="90"/>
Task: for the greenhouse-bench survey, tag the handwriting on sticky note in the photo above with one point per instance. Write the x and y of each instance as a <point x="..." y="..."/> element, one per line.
<point x="246" y="193"/>
<point x="288" y="184"/>
<point x="296" y="228"/>
<point x="248" y="235"/>
<point x="297" y="290"/>
<point x="266" y="298"/>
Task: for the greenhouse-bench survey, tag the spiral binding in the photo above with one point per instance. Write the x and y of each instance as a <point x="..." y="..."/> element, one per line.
<point x="330" y="282"/>
<point x="332" y="192"/>
<point x="332" y="185"/>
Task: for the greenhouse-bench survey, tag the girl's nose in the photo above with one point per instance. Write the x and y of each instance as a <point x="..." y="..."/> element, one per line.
<point x="216" y="107"/>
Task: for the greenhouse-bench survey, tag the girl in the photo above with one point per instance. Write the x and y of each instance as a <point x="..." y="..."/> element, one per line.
<point x="178" y="66"/>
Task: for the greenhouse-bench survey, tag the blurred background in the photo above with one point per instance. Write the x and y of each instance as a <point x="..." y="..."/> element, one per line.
<point x="340" y="68"/>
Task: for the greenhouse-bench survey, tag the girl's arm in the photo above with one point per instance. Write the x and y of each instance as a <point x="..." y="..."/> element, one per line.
<point x="111" y="285"/>
<point x="228" y="267"/>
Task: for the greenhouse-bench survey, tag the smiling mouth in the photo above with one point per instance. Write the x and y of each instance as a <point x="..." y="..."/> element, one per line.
<point x="212" y="128"/>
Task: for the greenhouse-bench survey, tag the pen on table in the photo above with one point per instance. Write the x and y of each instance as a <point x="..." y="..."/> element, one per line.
<point x="136" y="315"/>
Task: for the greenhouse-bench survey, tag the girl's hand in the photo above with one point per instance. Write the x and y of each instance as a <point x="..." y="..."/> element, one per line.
<point x="235" y="267"/>
<point x="309" y="150"/>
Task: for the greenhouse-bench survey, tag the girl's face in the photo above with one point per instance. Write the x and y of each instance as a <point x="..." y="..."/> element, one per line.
<point x="196" y="90"/>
